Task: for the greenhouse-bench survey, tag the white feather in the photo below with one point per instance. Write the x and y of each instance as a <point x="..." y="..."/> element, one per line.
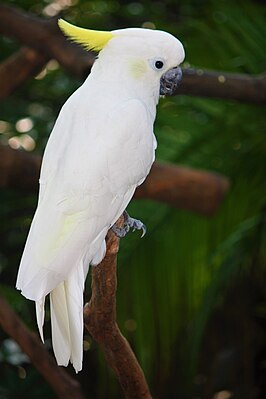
<point x="60" y="324"/>
<point x="39" y="306"/>
<point x="66" y="305"/>
<point x="101" y="148"/>
<point x="74" y="294"/>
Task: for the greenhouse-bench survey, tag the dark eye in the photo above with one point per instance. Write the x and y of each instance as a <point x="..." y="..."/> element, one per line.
<point x="158" y="64"/>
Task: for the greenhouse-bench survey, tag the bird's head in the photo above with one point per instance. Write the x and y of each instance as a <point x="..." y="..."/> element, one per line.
<point x="149" y="57"/>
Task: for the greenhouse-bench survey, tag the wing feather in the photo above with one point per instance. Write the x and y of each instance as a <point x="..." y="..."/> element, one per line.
<point x="85" y="188"/>
<point x="91" y="168"/>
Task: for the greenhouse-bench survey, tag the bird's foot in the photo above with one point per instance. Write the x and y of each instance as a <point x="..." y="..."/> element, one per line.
<point x="129" y="223"/>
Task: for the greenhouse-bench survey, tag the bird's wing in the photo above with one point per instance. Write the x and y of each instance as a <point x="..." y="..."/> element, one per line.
<point x="90" y="171"/>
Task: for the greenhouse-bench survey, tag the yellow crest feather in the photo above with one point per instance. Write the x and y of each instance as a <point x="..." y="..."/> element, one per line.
<point x="90" y="39"/>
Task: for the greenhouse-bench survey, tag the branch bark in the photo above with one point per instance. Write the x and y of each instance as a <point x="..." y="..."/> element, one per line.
<point x="19" y="169"/>
<point x="232" y="86"/>
<point x="18" y="68"/>
<point x="181" y="187"/>
<point x="44" y="36"/>
<point x="61" y="382"/>
<point x="100" y="321"/>
<point x="192" y="189"/>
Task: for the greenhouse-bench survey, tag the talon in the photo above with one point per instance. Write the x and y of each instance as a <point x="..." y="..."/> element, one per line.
<point x="144" y="231"/>
<point x="129" y="223"/>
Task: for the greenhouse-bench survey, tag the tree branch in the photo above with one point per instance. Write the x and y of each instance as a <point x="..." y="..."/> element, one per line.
<point x="100" y="321"/>
<point x="186" y="188"/>
<point x="44" y="36"/>
<point x="61" y="382"/>
<point x="231" y="86"/>
<point x="19" y="169"/>
<point x="18" y="68"/>
<point x="192" y="189"/>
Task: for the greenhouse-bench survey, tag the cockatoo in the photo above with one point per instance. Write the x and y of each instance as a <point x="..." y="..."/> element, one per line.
<point x="101" y="148"/>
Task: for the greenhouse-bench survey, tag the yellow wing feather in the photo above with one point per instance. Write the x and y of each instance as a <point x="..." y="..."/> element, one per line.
<point x="90" y="39"/>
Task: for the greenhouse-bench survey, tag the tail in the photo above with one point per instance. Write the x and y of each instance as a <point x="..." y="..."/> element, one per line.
<point x="66" y="307"/>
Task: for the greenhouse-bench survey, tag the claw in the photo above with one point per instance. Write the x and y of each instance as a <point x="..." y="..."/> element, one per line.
<point x="129" y="223"/>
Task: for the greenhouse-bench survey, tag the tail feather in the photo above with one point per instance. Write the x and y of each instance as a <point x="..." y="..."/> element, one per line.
<point x="74" y="294"/>
<point x="60" y="325"/>
<point x="67" y="319"/>
<point x="39" y="305"/>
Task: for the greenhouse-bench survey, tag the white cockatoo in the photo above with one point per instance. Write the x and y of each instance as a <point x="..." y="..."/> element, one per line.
<point x="101" y="148"/>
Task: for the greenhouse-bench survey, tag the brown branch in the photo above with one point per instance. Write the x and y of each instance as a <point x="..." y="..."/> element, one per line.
<point x="61" y="382"/>
<point x="19" y="169"/>
<point x="186" y="188"/>
<point x="100" y="321"/>
<point x="21" y="66"/>
<point x="45" y="37"/>
<point x="247" y="88"/>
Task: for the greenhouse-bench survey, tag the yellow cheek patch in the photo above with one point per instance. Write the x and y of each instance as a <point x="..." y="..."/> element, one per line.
<point x="90" y="39"/>
<point x="137" y="68"/>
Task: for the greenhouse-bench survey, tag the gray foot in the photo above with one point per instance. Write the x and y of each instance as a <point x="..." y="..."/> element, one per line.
<point x="129" y="223"/>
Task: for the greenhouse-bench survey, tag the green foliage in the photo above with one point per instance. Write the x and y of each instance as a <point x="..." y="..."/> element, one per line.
<point x="27" y="381"/>
<point x="173" y="280"/>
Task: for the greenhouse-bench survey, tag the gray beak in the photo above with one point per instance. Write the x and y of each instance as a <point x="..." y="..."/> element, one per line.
<point x="170" y="81"/>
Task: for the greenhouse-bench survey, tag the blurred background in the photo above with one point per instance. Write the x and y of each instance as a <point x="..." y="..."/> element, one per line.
<point x="191" y="295"/>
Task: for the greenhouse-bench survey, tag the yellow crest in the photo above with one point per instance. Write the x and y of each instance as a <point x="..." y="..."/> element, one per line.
<point x="90" y="39"/>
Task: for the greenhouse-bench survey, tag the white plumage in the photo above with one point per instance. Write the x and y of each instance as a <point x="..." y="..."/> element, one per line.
<point x="101" y="148"/>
